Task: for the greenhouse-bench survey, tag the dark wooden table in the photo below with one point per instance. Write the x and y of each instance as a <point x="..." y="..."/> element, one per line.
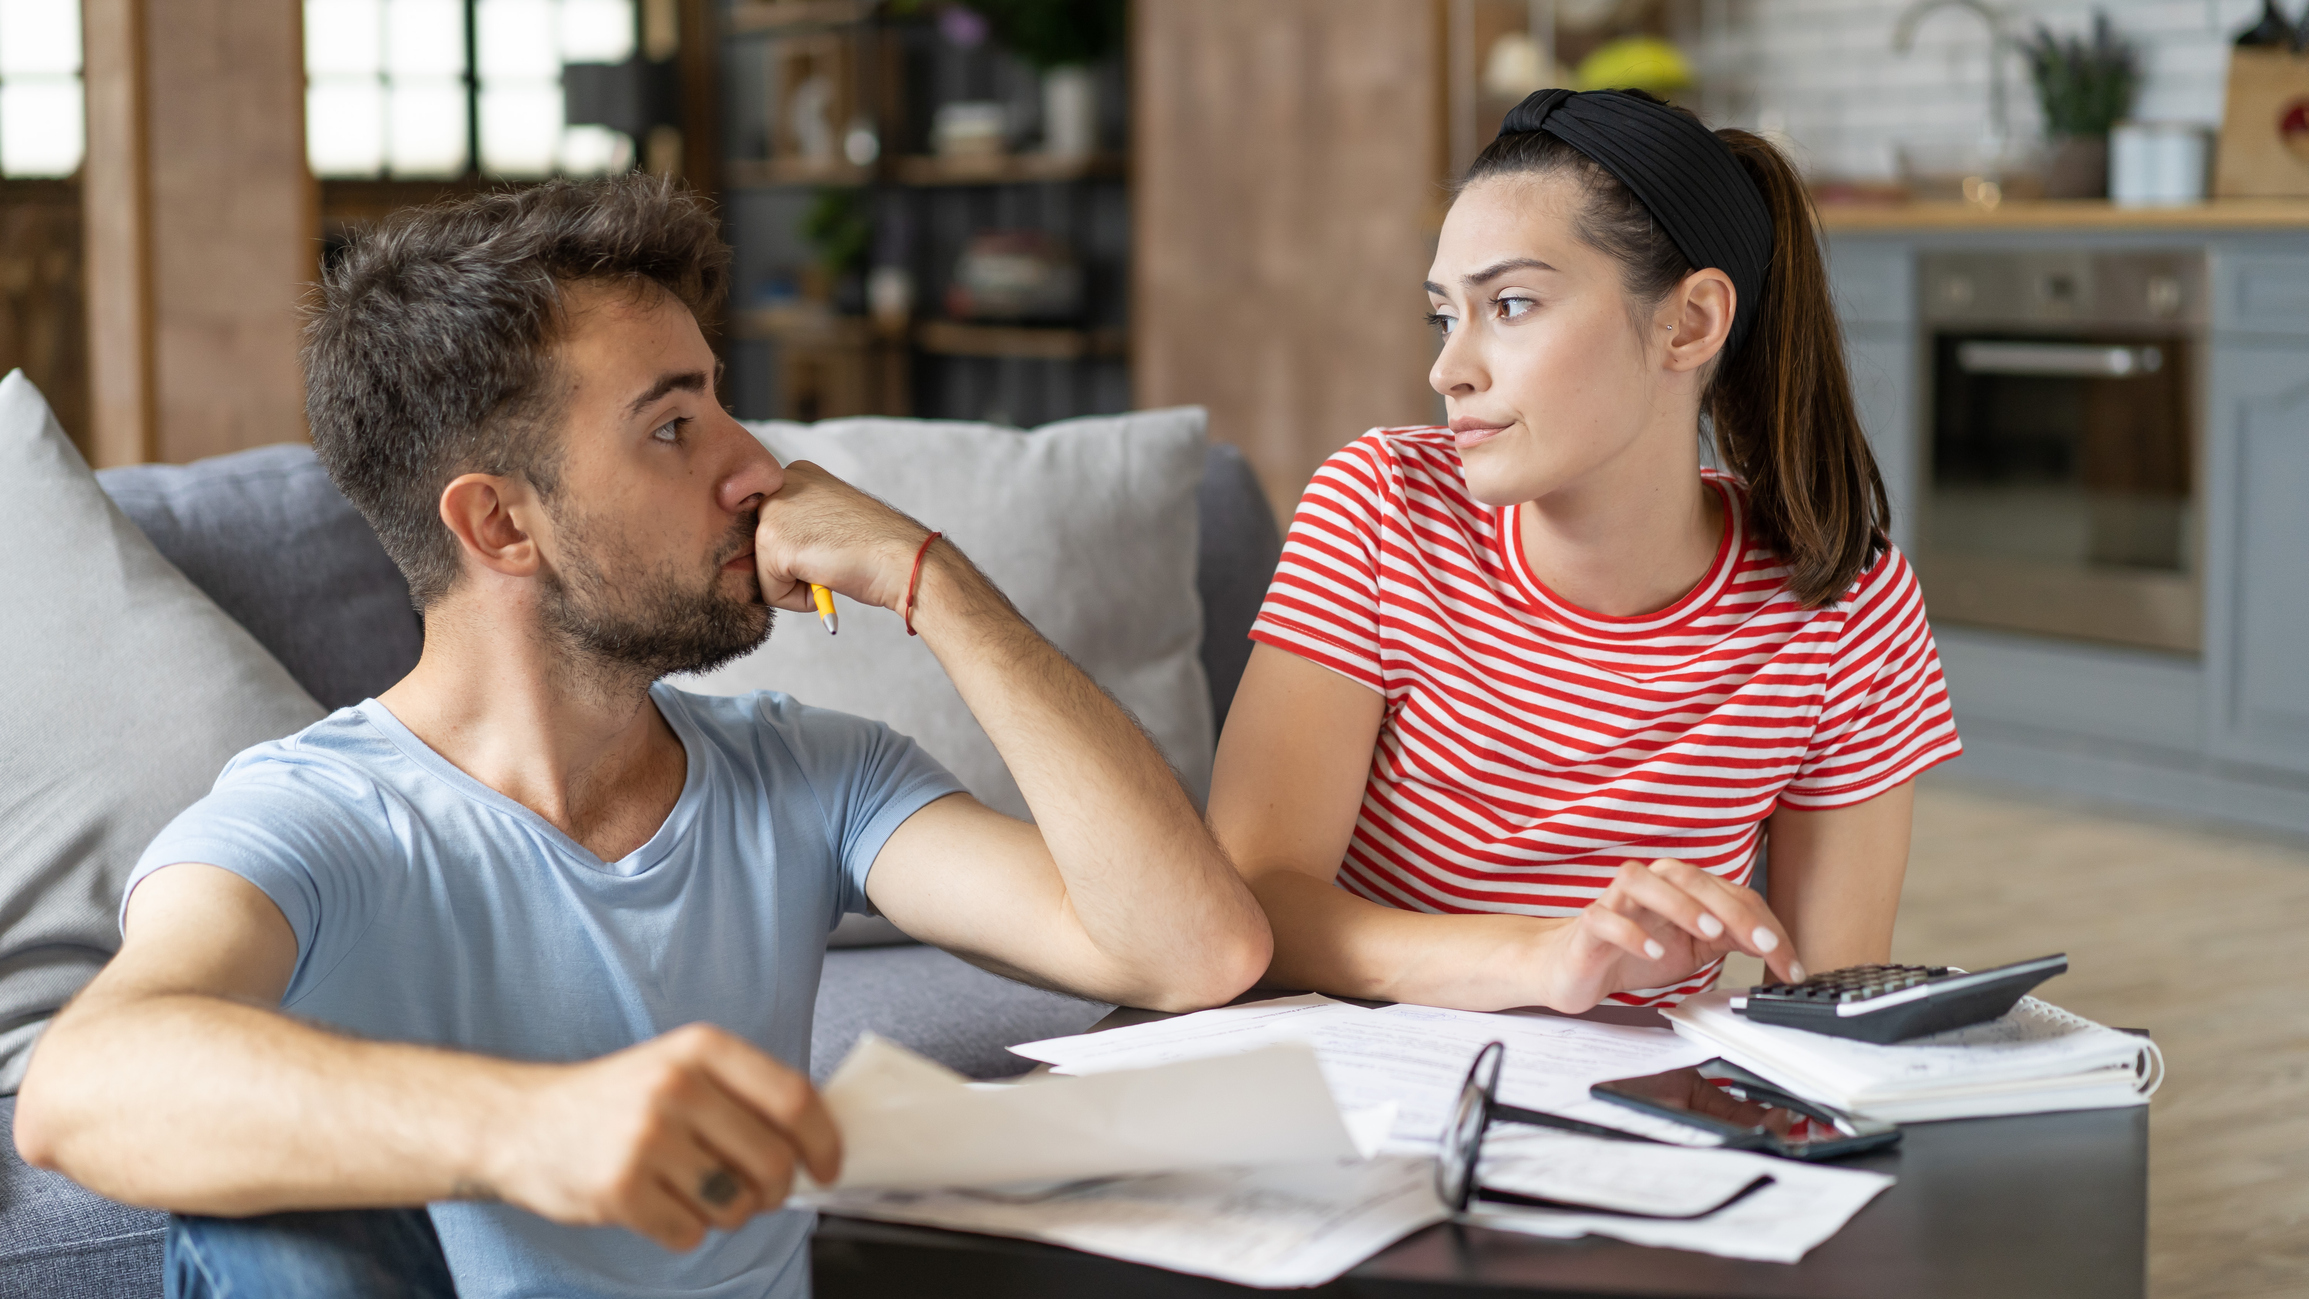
<point x="2041" y="1206"/>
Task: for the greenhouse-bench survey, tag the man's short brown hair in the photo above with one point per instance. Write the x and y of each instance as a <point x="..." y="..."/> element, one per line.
<point x="427" y="356"/>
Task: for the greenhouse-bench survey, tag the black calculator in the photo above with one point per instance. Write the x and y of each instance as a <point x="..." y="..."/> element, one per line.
<point x="1892" y="1003"/>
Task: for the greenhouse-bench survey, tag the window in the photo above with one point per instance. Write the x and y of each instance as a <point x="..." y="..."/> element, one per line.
<point x="42" y="130"/>
<point x="414" y="89"/>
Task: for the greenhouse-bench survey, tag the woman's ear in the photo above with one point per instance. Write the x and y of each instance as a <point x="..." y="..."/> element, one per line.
<point x="485" y="512"/>
<point x="1697" y="318"/>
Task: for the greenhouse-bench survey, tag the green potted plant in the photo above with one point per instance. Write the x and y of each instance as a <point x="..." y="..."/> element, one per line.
<point x="1060" y="39"/>
<point x="2084" y="87"/>
<point x="838" y="229"/>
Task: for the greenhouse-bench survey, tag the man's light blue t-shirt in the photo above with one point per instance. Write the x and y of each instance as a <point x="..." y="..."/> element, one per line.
<point x="430" y="908"/>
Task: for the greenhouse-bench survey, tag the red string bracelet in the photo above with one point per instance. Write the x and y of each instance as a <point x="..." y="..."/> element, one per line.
<point x="914" y="579"/>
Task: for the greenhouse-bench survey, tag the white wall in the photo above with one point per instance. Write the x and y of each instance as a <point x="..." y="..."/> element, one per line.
<point x="1823" y="71"/>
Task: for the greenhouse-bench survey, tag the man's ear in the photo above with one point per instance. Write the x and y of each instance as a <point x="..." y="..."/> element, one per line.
<point x="1700" y="312"/>
<point x="489" y="516"/>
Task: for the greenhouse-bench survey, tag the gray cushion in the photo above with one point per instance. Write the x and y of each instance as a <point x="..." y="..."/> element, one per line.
<point x="270" y="539"/>
<point x="1239" y="550"/>
<point x="939" y="1005"/>
<point x="59" y="1241"/>
<point x="125" y="692"/>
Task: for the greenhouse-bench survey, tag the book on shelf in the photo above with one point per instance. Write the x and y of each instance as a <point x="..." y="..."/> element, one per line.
<point x="2036" y="1059"/>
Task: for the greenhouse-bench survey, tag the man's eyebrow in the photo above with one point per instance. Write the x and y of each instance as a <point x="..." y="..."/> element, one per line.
<point x="681" y="380"/>
<point x="1491" y="272"/>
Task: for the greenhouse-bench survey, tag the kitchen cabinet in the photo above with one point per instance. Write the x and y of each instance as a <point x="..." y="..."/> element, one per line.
<point x="1884" y="384"/>
<point x="2223" y="733"/>
<point x="2260" y="669"/>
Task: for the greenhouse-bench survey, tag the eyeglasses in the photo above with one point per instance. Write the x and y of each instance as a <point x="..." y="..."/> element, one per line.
<point x="1477" y="1110"/>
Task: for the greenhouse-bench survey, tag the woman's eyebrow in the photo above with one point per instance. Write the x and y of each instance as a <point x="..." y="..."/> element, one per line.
<point x="1497" y="269"/>
<point x="1491" y="272"/>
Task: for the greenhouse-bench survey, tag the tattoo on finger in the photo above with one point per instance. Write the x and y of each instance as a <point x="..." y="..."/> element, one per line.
<point x="717" y="1188"/>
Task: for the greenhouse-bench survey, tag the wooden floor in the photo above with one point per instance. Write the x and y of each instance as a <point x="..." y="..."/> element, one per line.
<point x="2196" y="934"/>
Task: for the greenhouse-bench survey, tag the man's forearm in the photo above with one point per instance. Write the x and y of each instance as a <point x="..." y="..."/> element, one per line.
<point x="1148" y="884"/>
<point x="200" y="1104"/>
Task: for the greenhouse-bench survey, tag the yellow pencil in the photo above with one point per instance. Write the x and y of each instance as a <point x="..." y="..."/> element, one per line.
<point x="824" y="599"/>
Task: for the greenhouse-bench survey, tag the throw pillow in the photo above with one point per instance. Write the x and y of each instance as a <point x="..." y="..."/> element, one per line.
<point x="127" y="692"/>
<point x="1088" y="525"/>
<point x="266" y="535"/>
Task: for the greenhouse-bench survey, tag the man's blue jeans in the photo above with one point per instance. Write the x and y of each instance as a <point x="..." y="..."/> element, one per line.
<point x="340" y="1254"/>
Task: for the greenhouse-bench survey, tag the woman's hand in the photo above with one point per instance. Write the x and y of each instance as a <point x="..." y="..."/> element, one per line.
<point x="1657" y="924"/>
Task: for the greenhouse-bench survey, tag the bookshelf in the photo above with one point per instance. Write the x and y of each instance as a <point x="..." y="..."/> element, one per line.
<point x="828" y="114"/>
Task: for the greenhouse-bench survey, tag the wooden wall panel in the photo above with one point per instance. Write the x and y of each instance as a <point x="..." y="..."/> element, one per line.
<point x="236" y="221"/>
<point x="205" y="238"/>
<point x="116" y="215"/>
<point x="1287" y="164"/>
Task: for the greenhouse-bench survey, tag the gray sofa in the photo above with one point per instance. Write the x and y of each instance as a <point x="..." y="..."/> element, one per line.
<point x="269" y="539"/>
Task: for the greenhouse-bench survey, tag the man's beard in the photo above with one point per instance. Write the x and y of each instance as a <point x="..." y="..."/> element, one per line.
<point x="647" y="623"/>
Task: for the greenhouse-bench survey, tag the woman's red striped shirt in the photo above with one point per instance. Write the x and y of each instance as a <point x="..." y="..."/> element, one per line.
<point x="1529" y="746"/>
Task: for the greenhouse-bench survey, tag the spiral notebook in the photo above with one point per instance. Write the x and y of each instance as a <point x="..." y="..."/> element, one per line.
<point x="2035" y="1059"/>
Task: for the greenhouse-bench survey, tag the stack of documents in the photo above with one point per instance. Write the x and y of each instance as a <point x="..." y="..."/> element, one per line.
<point x="1279" y="1227"/>
<point x="1240" y="1168"/>
<point x="2036" y="1059"/>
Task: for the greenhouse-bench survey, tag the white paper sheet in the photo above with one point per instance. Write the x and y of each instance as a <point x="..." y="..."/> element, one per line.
<point x="1625" y="1176"/>
<point x="908" y="1123"/>
<point x="1275" y="1227"/>
<point x="1198" y="1036"/>
<point x="1415" y="1056"/>
<point x="1780" y="1223"/>
<point x="1551" y="1062"/>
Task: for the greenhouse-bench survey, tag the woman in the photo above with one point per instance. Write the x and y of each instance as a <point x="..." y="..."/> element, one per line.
<point x="1530" y="691"/>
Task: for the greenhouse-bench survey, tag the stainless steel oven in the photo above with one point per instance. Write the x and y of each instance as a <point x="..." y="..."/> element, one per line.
<point x="2060" y="491"/>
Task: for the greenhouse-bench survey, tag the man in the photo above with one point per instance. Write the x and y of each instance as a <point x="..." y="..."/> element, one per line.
<point x="531" y="937"/>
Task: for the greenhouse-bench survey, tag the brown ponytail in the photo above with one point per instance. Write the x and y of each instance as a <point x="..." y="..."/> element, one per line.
<point x="1781" y="407"/>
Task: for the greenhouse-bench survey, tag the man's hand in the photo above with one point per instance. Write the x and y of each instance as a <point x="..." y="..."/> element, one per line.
<point x="820" y="529"/>
<point x="692" y="1130"/>
<point x="1656" y="924"/>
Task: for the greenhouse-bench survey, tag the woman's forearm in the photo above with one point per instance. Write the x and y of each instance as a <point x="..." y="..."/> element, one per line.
<point x="1331" y="941"/>
<point x="1657" y="925"/>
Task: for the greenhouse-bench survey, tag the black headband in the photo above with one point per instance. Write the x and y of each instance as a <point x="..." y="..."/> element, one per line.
<point x="1682" y="174"/>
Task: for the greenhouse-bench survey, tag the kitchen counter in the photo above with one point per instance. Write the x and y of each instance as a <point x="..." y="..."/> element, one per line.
<point x="2065" y="214"/>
